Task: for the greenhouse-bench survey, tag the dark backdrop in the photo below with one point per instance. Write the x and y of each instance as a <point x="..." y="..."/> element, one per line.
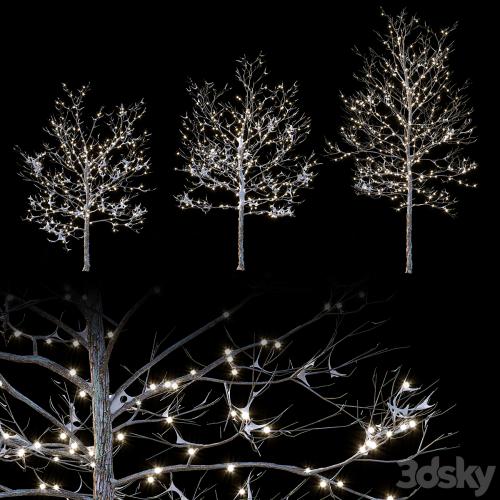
<point x="445" y="311"/>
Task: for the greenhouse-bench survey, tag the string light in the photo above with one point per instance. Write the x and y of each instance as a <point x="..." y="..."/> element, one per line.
<point x="267" y="430"/>
<point x="230" y="468"/>
<point x="241" y="492"/>
<point x="158" y="470"/>
<point x="37" y="445"/>
<point x="72" y="372"/>
<point x="323" y="484"/>
<point x="169" y="420"/>
<point x="43" y="486"/>
<point x="120" y="436"/>
<point x="75" y="343"/>
<point x="245" y="415"/>
<point x="82" y="394"/>
<point x="191" y="451"/>
<point x="21" y="452"/>
<point x="63" y="436"/>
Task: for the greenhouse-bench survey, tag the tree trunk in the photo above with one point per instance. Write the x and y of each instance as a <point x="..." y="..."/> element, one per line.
<point x="101" y="412"/>
<point x="409" y="225"/>
<point x="241" y="206"/>
<point x="86" y="245"/>
<point x="241" y="226"/>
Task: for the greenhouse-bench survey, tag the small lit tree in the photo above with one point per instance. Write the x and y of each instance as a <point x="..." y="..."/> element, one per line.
<point x="406" y="127"/>
<point x="88" y="173"/>
<point x="97" y="413"/>
<point x="245" y="147"/>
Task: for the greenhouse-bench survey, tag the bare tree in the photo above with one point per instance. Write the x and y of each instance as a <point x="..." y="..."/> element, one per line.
<point x="87" y="175"/>
<point x="406" y="127"/>
<point x="244" y="146"/>
<point x="97" y="414"/>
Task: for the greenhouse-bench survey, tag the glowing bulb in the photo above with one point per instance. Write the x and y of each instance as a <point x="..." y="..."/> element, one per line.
<point x="263" y="342"/>
<point x="21" y="452"/>
<point x="63" y="436"/>
<point x="234" y="372"/>
<point x="82" y="394"/>
<point x="92" y="464"/>
<point x="267" y="430"/>
<point x="371" y="444"/>
<point x="152" y="387"/>
<point x="340" y="484"/>
<point x="72" y="372"/>
<point x="37" y="445"/>
<point x="120" y="436"/>
<point x="75" y="343"/>
<point x="110" y="334"/>
<point x="371" y="430"/>
<point x="307" y="470"/>
<point x="56" y="459"/>
<point x="233" y="413"/>
<point x="406" y="385"/>
<point x="389" y="434"/>
<point x="412" y="424"/>
<point x="245" y="415"/>
<point x="277" y="345"/>
<point x="56" y="487"/>
<point x="230" y="359"/>
<point x="193" y="372"/>
<point x="404" y="427"/>
<point x="362" y="449"/>
<point x="167" y="384"/>
<point x="175" y="385"/>
<point x="158" y="470"/>
<point x="390" y="497"/>
<point x="48" y="341"/>
<point x="74" y="445"/>
<point x="169" y="420"/>
<point x="322" y="484"/>
<point x="17" y="333"/>
<point x="43" y="486"/>
<point x="241" y="492"/>
<point x="230" y="468"/>
<point x="6" y="435"/>
<point x="191" y="451"/>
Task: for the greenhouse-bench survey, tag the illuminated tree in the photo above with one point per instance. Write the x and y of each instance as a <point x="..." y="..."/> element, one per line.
<point x="87" y="174"/>
<point x="193" y="412"/>
<point x="406" y="127"/>
<point x="244" y="148"/>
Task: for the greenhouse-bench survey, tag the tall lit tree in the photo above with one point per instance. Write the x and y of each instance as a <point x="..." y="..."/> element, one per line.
<point x="407" y="125"/>
<point x="88" y="172"/>
<point x="244" y="147"/>
<point x="72" y="439"/>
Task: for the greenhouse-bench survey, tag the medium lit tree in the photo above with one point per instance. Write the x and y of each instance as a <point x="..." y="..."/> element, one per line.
<point x="406" y="127"/>
<point x="194" y="415"/>
<point x="244" y="148"/>
<point x="88" y="172"/>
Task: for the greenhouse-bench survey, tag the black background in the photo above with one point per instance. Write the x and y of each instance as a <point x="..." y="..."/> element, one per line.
<point x="446" y="311"/>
